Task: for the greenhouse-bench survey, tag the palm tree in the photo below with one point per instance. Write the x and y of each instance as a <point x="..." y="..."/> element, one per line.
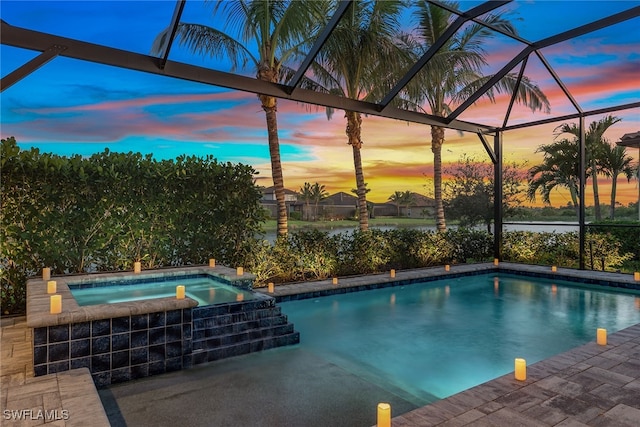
<point x="396" y="198"/>
<point x="455" y="72"/>
<point x="613" y="162"/>
<point x="318" y="193"/>
<point x="594" y="145"/>
<point x="269" y="33"/>
<point x="560" y="168"/>
<point x="306" y="195"/>
<point x="356" y="62"/>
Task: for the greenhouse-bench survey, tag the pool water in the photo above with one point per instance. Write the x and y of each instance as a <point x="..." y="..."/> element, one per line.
<point x="206" y="290"/>
<point x="431" y="340"/>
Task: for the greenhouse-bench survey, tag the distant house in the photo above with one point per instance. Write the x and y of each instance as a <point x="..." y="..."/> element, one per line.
<point x="343" y="205"/>
<point x="423" y="207"/>
<point x="338" y="206"/>
<point x="269" y="202"/>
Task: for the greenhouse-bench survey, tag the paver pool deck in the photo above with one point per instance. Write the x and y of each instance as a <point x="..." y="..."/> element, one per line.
<point x="590" y="385"/>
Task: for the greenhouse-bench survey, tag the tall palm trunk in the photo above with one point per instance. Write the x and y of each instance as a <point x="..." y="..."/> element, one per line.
<point x="573" y="192"/>
<point x="270" y="107"/>
<point x="354" y="127"/>
<point x="614" y="187"/>
<point x="437" y="139"/>
<point x="596" y="194"/>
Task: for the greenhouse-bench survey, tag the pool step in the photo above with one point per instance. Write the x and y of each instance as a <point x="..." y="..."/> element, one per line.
<point x="232" y="350"/>
<point x="240" y="330"/>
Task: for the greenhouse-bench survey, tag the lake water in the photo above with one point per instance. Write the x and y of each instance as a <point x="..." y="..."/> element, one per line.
<point x="556" y="227"/>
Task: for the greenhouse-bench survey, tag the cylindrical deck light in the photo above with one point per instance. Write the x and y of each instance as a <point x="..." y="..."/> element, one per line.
<point x="334" y="281"/>
<point x="46" y="273"/>
<point x="384" y="415"/>
<point x="212" y="262"/>
<point x="55" y="304"/>
<point x="239" y="271"/>
<point x="52" y="287"/>
<point x="392" y="273"/>
<point x="636" y="276"/>
<point x="137" y="267"/>
<point x="521" y="369"/>
<point x="496" y="261"/>
<point x="554" y="269"/>
<point x="180" y="291"/>
<point x="447" y="267"/>
<point x="271" y="287"/>
<point x="601" y="336"/>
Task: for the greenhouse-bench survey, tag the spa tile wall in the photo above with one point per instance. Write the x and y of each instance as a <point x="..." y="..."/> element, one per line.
<point x="117" y="349"/>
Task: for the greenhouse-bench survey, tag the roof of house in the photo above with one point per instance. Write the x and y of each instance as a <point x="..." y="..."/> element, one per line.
<point x="270" y="190"/>
<point x="340" y="198"/>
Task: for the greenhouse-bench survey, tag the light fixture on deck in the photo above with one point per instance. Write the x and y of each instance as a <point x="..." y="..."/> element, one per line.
<point x="384" y="415"/>
<point x="520" y="369"/>
<point x="55" y="304"/>
<point x="52" y="287"/>
<point x="180" y="291"/>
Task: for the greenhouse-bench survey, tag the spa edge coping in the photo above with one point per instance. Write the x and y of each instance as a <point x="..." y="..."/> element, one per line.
<point x="38" y="308"/>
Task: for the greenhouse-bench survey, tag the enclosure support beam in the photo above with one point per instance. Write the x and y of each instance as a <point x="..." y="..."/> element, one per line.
<point x="31" y="66"/>
<point x="488" y="149"/>
<point x="175" y="21"/>
<point x="583" y="186"/>
<point x="497" y="197"/>
<point x="77" y="49"/>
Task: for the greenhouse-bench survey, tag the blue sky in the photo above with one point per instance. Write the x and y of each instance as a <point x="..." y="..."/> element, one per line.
<point x="75" y="107"/>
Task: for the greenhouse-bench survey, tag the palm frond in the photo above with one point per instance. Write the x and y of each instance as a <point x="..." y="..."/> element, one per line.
<point x="211" y="42"/>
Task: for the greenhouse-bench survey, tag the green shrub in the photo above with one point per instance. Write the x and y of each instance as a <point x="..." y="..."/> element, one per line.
<point x="627" y="233"/>
<point x="102" y="213"/>
<point x="603" y="252"/>
<point x="541" y="248"/>
<point x="467" y="245"/>
<point x="362" y="252"/>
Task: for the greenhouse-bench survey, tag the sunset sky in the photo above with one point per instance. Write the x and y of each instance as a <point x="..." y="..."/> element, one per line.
<point x="75" y="107"/>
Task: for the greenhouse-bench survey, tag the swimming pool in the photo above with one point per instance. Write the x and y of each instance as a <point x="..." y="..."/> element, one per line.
<point x="202" y="288"/>
<point x="427" y="341"/>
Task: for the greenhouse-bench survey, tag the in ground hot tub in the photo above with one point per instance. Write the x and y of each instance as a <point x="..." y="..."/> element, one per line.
<point x="124" y="326"/>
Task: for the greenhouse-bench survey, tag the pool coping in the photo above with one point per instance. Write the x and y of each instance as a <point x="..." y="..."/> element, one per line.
<point x="319" y="288"/>
<point x="38" y="300"/>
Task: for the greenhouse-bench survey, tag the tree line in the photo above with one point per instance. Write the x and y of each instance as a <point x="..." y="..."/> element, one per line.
<point x="469" y="194"/>
<point x="363" y="58"/>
